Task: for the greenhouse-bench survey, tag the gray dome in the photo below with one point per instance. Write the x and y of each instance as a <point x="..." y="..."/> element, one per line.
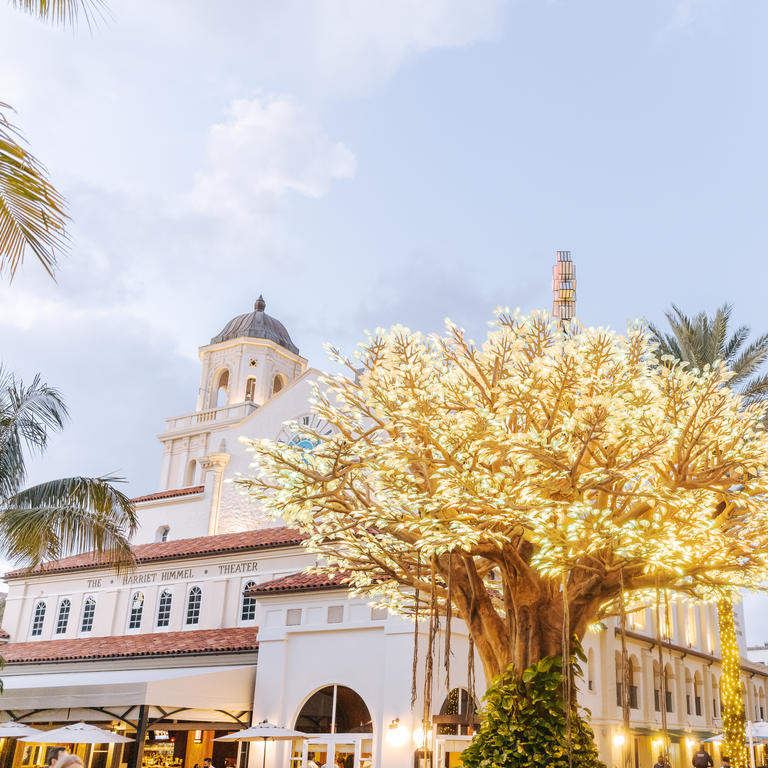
<point x="257" y="325"/>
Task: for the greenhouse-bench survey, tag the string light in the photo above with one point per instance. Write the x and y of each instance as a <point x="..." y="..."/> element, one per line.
<point x="732" y="700"/>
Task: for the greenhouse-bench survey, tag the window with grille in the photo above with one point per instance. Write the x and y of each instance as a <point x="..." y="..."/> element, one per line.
<point x="89" y="611"/>
<point x="335" y="614"/>
<point x="248" y="610"/>
<point x="193" y="605"/>
<point x="63" y="618"/>
<point x="137" y="608"/>
<point x="164" y="608"/>
<point x="38" y="619"/>
<point x="293" y="617"/>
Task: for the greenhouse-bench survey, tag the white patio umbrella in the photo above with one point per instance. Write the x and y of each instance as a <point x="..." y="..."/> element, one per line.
<point x="264" y="732"/>
<point x="14" y="730"/>
<point x="77" y="733"/>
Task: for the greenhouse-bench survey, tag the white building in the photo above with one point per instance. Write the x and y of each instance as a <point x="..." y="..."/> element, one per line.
<point x="219" y="626"/>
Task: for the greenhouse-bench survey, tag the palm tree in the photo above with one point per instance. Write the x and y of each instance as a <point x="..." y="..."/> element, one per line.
<point x="700" y="341"/>
<point x="32" y="213"/>
<point x="58" y="517"/>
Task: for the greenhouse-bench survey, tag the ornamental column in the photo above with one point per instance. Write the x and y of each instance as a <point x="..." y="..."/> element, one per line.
<point x="213" y="475"/>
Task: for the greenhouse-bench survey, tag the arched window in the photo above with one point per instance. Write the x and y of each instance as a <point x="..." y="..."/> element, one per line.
<point x="656" y="687"/>
<point x="220" y="391"/>
<point x="164" y="608"/>
<point x="189" y="474"/>
<point x="669" y="687"/>
<point x="277" y="384"/>
<point x="248" y="609"/>
<point x="63" y="618"/>
<point x="250" y="388"/>
<point x="194" y="600"/>
<point x="698" y="687"/>
<point x="716" y="701"/>
<point x="458" y="702"/>
<point x="89" y="611"/>
<point x="162" y="533"/>
<point x="334" y="709"/>
<point x="137" y="608"/>
<point x="688" y="692"/>
<point x="37" y="619"/>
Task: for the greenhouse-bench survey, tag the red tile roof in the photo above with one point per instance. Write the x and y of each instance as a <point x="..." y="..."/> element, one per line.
<point x="264" y="538"/>
<point x="305" y="581"/>
<point x="169" y="494"/>
<point x="199" y="641"/>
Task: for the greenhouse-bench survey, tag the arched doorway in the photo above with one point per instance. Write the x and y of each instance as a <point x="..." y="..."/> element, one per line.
<point x="455" y="726"/>
<point x="340" y="724"/>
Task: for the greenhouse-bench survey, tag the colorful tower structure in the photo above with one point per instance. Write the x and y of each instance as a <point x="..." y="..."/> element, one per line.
<point x="564" y="287"/>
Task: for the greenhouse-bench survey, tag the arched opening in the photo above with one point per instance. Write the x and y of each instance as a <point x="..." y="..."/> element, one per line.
<point x="89" y="612"/>
<point x="250" y="389"/>
<point x="761" y="703"/>
<point x="162" y="533"/>
<point x="632" y="677"/>
<point x="277" y="384"/>
<point x="219" y="391"/>
<point x="164" y="608"/>
<point x="62" y="620"/>
<point x="189" y="474"/>
<point x="669" y="688"/>
<point x="754" y="702"/>
<point x="716" y="700"/>
<point x="458" y="705"/>
<point x="248" y="608"/>
<point x="656" y="687"/>
<point x="194" y="601"/>
<point x="340" y="728"/>
<point x="38" y="619"/>
<point x="137" y="608"/>
<point x="698" y="688"/>
<point x="334" y="709"/>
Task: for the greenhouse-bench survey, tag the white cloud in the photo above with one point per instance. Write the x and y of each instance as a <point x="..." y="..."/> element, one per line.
<point x="267" y="147"/>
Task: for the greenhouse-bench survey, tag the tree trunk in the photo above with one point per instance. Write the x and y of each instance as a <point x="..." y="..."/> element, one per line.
<point x="734" y="720"/>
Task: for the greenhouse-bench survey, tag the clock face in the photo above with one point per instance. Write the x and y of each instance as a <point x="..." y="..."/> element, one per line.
<point x="302" y="440"/>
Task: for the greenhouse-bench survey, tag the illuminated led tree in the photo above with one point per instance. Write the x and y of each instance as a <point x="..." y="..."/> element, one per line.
<point x="519" y="485"/>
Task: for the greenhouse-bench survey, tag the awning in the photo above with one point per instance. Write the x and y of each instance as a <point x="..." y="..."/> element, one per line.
<point x="210" y="688"/>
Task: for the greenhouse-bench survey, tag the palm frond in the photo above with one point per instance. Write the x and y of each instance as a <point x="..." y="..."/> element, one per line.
<point x="32" y="212"/>
<point x="750" y="360"/>
<point x="667" y="344"/>
<point x="756" y="389"/>
<point x="28" y="414"/>
<point x="734" y="344"/>
<point x="67" y="516"/>
<point x="64" y="12"/>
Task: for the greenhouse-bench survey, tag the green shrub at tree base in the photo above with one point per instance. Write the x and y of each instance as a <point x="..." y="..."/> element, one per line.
<point x="525" y="724"/>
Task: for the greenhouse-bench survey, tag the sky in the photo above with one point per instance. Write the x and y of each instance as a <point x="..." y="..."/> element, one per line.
<point x="369" y="162"/>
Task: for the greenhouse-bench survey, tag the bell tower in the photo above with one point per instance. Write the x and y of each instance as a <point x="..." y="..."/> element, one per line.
<point x="249" y="362"/>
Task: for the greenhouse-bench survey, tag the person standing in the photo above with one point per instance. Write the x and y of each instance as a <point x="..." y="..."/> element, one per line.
<point x="702" y="759"/>
<point x="726" y="762"/>
<point x="56" y="755"/>
<point x="661" y="762"/>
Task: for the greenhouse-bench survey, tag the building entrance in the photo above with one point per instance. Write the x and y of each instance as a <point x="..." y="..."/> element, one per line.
<point x="344" y="750"/>
<point x="340" y="727"/>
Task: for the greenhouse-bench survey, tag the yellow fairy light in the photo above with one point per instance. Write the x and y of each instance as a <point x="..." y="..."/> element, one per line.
<point x="734" y="720"/>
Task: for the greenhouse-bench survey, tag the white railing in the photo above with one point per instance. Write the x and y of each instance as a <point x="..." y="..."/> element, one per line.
<point x="227" y="413"/>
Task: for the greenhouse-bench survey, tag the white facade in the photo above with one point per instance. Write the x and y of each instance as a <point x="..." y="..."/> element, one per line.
<point x="201" y="543"/>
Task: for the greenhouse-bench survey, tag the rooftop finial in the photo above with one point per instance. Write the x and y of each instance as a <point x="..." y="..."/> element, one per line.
<point x="260" y="304"/>
<point x="564" y="287"/>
